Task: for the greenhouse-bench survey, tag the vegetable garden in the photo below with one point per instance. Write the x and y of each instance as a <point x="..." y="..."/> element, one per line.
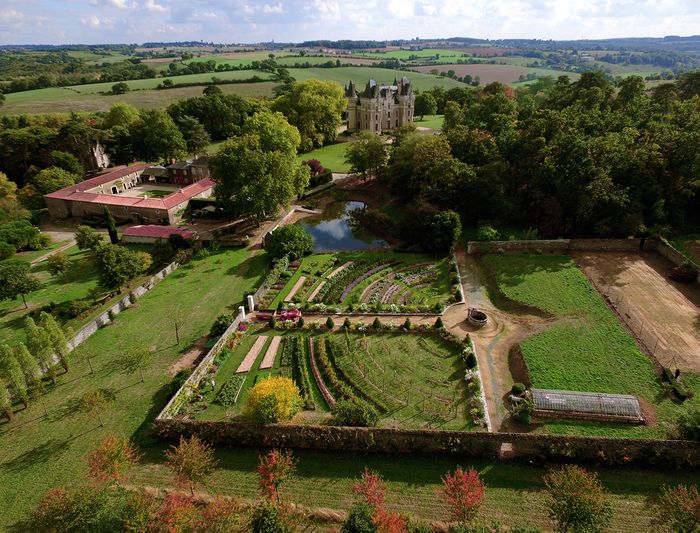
<point x="365" y="282"/>
<point x="416" y="379"/>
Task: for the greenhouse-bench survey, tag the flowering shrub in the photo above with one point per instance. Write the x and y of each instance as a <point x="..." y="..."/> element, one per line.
<point x="274" y="468"/>
<point x="111" y="459"/>
<point x="274" y="399"/>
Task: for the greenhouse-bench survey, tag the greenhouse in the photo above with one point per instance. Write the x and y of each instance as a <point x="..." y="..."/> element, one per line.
<point x="589" y="405"/>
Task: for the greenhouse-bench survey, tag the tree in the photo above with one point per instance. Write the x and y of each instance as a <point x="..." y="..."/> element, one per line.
<point x="178" y="514"/>
<point x="274" y="468"/>
<point x="258" y="173"/>
<point x="315" y="107"/>
<point x="156" y="137"/>
<point x="329" y="323"/>
<point x="446" y="230"/>
<point x="66" y="510"/>
<point x="67" y="162"/>
<point x="367" y="155"/>
<point x="87" y="238"/>
<point x="94" y="403"/>
<point x="120" y="88"/>
<point x="47" y="181"/>
<point x="577" y="501"/>
<point x="111" y="226"/>
<point x="372" y="490"/>
<point x="5" y="402"/>
<point x="678" y="509"/>
<point x="31" y="369"/>
<point x="462" y="493"/>
<point x="15" y="280"/>
<point x="192" y="461"/>
<point x="120" y="114"/>
<point x="39" y="345"/>
<point x="425" y="105"/>
<point x="291" y="240"/>
<point x="274" y="399"/>
<point x="138" y="359"/>
<point x="196" y="137"/>
<point x="59" y="345"/>
<point x="117" y="265"/>
<point x="109" y="462"/>
<point x="219" y="516"/>
<point x="11" y="370"/>
<point x="58" y="264"/>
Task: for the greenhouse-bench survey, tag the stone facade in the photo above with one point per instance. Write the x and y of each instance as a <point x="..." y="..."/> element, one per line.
<point x="380" y="108"/>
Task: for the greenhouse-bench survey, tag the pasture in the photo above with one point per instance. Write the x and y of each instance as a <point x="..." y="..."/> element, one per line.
<point x="585" y="348"/>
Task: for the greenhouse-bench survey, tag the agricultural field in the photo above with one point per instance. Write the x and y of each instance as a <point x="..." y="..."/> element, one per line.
<point x="65" y="100"/>
<point x="360" y="76"/>
<point x="331" y="156"/>
<point x="42" y="449"/>
<point x="413" y="380"/>
<point x="487" y="73"/>
<point x="585" y="348"/>
<point x="364" y="281"/>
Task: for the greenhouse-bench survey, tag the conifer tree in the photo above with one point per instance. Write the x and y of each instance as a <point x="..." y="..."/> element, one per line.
<point x="5" y="401"/>
<point x="31" y="369"/>
<point x="111" y="227"/>
<point x="39" y="346"/>
<point x="56" y="337"/>
<point x="13" y="373"/>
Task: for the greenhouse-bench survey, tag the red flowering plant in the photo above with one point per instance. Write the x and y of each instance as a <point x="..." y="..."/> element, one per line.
<point x="275" y="467"/>
<point x="462" y="493"/>
<point x="372" y="489"/>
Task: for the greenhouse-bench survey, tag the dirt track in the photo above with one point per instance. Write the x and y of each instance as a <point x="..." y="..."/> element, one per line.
<point x="663" y="314"/>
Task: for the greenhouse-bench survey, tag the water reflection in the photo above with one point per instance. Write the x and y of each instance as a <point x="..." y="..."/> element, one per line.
<point x="334" y="230"/>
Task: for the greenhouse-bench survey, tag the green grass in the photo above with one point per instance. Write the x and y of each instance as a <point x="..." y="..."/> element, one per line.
<point x="331" y="156"/>
<point x="39" y="452"/>
<point x="156" y="194"/>
<point x="360" y="76"/>
<point x="34" y="254"/>
<point x="587" y="348"/>
<point x="430" y="121"/>
<point x="444" y="53"/>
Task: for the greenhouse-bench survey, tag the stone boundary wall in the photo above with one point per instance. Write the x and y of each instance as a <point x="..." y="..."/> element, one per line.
<point x="103" y="319"/>
<point x="561" y="246"/>
<point x="185" y="391"/>
<point x="666" y="249"/>
<point x="539" y="448"/>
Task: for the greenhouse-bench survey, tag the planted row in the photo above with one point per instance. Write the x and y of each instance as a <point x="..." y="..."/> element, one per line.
<point x="300" y="370"/>
<point x="229" y="393"/>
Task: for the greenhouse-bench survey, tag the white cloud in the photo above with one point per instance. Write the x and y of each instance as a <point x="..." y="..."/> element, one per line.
<point x="152" y="6"/>
<point x="11" y="16"/>
<point x="277" y="8"/>
<point x="91" y="21"/>
<point x="120" y="4"/>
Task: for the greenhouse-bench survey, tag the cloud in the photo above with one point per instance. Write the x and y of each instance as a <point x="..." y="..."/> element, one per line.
<point x="277" y="8"/>
<point x="152" y="6"/>
<point x="119" y="4"/>
<point x="91" y="21"/>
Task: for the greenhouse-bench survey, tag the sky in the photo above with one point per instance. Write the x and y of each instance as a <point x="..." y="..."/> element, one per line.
<point x="249" y="21"/>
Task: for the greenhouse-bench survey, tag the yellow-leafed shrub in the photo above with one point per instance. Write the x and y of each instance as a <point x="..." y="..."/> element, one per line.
<point x="274" y="399"/>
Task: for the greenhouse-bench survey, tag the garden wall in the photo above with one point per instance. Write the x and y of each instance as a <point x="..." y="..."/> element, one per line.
<point x="183" y="394"/>
<point x="558" y="246"/>
<point x="103" y="318"/>
<point x="663" y="247"/>
<point x="539" y="448"/>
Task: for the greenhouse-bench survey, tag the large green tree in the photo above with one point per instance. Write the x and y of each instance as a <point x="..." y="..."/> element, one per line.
<point x="258" y="173"/>
<point x="196" y="137"/>
<point x="425" y="105"/>
<point x="15" y="280"/>
<point x="117" y="265"/>
<point x="367" y="155"/>
<point x="315" y="107"/>
<point x="156" y="137"/>
<point x="291" y="240"/>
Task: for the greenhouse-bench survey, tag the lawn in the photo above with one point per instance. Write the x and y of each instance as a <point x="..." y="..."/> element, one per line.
<point x="156" y="194"/>
<point x="430" y="121"/>
<point x="40" y="451"/>
<point x="331" y="156"/>
<point x="514" y="492"/>
<point x="586" y="348"/>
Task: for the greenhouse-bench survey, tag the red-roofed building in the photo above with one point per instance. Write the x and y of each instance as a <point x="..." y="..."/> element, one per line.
<point x="130" y="194"/>
<point x="152" y="233"/>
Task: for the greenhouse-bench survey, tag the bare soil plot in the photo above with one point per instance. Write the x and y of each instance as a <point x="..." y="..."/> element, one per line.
<point x="271" y="353"/>
<point x="252" y="355"/>
<point x="486" y="73"/>
<point x="663" y="314"/>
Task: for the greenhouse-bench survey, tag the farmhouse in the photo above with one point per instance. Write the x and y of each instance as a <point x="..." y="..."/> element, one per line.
<point x="139" y="193"/>
<point x="380" y="108"/>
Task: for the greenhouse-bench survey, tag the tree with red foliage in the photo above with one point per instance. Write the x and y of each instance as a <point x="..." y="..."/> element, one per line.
<point x="220" y="515"/>
<point x="275" y="467"/>
<point x="315" y="166"/>
<point x="372" y="489"/>
<point x="462" y="493"/>
<point x="111" y="459"/>
<point x="192" y="461"/>
<point x="178" y="514"/>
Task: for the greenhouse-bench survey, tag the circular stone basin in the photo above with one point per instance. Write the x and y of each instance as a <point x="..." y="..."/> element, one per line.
<point x="477" y="318"/>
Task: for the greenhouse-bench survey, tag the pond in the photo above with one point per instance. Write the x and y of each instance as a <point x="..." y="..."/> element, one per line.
<point x="334" y="231"/>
